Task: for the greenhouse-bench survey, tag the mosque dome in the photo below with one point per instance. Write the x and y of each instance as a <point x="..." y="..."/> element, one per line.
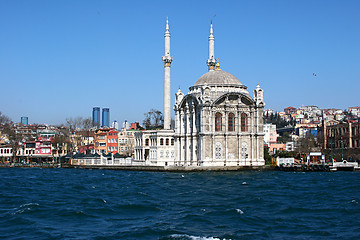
<point x="217" y="77"/>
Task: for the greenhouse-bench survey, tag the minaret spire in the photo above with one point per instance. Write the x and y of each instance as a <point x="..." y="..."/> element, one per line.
<point x="211" y="61"/>
<point x="167" y="59"/>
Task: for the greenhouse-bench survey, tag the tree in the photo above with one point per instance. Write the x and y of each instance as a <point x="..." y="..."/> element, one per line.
<point x="153" y="119"/>
<point x="306" y="145"/>
<point x="79" y="128"/>
<point x="267" y="156"/>
<point x="4" y="119"/>
<point x="285" y="137"/>
<point x="14" y="138"/>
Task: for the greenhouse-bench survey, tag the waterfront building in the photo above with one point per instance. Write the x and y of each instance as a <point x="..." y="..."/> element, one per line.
<point x="112" y="141"/>
<point x="100" y="139"/>
<point x="126" y="142"/>
<point x="24" y="120"/>
<point x="341" y="136"/>
<point x="217" y="123"/>
<point x="340" y="140"/>
<point x="105" y="117"/>
<point x="96" y="116"/>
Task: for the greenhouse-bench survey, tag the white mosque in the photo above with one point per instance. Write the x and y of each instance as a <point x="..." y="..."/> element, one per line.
<point x="217" y="123"/>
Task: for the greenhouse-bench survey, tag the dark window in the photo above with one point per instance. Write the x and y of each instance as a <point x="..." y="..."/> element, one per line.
<point x="146" y="142"/>
<point x="172" y="142"/>
<point x="218" y="122"/>
<point x="243" y="122"/>
<point x="161" y="141"/>
<point x="167" y="141"/>
<point x="231" y="122"/>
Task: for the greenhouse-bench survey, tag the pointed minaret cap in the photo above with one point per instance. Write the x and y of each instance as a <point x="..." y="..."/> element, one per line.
<point x="167" y="23"/>
<point x="211" y="29"/>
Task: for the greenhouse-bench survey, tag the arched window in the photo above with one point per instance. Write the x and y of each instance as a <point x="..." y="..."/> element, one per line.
<point x="231" y="122"/>
<point x="167" y="141"/>
<point x="218" y="122"/>
<point x="161" y="141"/>
<point x="243" y="122"/>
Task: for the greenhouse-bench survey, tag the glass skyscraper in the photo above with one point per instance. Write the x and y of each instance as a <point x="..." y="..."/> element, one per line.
<point x="96" y="116"/>
<point x="24" y="120"/>
<point x="106" y="117"/>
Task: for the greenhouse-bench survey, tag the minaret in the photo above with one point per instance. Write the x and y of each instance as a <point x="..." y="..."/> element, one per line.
<point x="167" y="59"/>
<point x="211" y="61"/>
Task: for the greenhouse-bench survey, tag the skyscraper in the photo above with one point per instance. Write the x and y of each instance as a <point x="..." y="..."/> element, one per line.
<point x="24" y="120"/>
<point x="115" y="125"/>
<point x="96" y="116"/>
<point x="106" y="117"/>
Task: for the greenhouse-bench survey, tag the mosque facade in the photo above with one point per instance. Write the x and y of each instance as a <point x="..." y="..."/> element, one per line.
<point x="217" y="123"/>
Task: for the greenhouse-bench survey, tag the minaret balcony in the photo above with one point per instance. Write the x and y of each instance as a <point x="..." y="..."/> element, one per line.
<point x="167" y="60"/>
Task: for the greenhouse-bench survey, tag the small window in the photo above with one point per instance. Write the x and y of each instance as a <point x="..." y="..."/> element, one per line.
<point x="172" y="142"/>
<point x="147" y="142"/>
<point x="243" y="122"/>
<point x="167" y="141"/>
<point x="218" y="122"/>
<point x="231" y="122"/>
<point x="161" y="141"/>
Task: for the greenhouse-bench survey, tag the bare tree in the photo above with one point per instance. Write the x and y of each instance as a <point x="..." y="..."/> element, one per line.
<point x="153" y="119"/>
<point x="4" y="119"/>
<point x="80" y="129"/>
<point x="306" y="145"/>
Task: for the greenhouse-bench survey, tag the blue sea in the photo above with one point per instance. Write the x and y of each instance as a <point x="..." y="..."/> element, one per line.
<point x="109" y="204"/>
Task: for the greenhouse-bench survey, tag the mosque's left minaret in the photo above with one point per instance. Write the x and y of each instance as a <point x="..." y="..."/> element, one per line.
<point x="167" y="59"/>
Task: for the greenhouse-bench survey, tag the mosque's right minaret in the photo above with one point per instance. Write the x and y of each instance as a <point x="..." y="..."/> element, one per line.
<point x="211" y="62"/>
<point x="167" y="59"/>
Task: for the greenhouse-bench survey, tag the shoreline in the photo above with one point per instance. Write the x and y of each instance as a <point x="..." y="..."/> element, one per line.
<point x="152" y="168"/>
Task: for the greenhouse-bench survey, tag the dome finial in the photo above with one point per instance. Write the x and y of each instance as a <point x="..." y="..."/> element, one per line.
<point x="217" y="64"/>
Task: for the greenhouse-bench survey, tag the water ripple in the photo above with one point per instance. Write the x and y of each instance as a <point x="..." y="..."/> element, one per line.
<point x="100" y="204"/>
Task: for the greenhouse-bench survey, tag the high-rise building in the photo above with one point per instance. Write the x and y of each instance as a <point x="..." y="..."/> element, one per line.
<point x="106" y="117"/>
<point x="96" y="116"/>
<point x="126" y="124"/>
<point x="115" y="125"/>
<point x="24" y="120"/>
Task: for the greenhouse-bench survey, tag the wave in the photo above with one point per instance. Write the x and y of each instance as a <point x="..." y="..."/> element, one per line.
<point x="190" y="237"/>
<point x="24" y="208"/>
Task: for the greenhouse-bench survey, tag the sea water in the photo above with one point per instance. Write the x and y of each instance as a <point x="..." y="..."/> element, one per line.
<point x="109" y="204"/>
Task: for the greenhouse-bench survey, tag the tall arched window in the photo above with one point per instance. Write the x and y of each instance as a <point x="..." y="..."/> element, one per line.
<point x="218" y="122"/>
<point x="243" y="122"/>
<point x="231" y="122"/>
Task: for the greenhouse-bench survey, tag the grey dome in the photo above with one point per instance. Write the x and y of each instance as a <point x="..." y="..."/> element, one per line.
<point x="217" y="77"/>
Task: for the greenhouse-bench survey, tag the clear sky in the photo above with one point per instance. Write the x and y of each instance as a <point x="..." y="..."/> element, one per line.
<point x="59" y="59"/>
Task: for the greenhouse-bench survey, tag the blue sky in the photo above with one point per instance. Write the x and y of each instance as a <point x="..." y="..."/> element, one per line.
<point x="59" y="59"/>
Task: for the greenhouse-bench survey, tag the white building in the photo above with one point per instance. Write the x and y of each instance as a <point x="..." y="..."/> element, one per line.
<point x="270" y="135"/>
<point x="217" y="123"/>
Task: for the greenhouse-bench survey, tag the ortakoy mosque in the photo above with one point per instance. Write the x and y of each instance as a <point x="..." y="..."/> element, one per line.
<point x="217" y="123"/>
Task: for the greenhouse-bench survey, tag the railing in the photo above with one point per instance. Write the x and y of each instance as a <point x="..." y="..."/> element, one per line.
<point x="103" y="161"/>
